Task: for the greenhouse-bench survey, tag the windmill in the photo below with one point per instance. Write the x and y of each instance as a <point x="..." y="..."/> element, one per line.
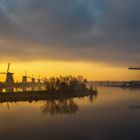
<point x="33" y="79"/>
<point x="39" y="79"/>
<point x="25" y="77"/>
<point x="9" y="76"/>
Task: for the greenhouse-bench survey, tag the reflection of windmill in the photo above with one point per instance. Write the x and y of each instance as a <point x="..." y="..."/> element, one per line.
<point x="9" y="76"/>
<point x="25" y="77"/>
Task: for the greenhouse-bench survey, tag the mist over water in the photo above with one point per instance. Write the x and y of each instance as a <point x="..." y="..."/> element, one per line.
<point x="113" y="114"/>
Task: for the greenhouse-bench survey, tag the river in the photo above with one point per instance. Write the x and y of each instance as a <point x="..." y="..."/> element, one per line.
<point x="113" y="114"/>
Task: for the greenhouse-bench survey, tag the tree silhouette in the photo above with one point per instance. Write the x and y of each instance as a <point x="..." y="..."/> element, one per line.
<point x="67" y="82"/>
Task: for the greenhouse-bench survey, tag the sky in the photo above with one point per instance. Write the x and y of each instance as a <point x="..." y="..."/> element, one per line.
<point x="98" y="39"/>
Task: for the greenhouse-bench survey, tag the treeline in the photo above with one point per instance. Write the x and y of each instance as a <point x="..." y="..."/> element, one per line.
<point x="66" y="82"/>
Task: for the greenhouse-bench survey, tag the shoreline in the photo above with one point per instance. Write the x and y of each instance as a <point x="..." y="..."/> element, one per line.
<point x="43" y="95"/>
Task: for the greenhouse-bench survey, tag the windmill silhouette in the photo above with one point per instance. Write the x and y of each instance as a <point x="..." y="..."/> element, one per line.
<point x="33" y="79"/>
<point x="25" y="77"/>
<point x="9" y="76"/>
<point x="40" y="80"/>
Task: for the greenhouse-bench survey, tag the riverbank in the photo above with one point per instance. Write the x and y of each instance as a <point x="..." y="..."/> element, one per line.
<point x="44" y="95"/>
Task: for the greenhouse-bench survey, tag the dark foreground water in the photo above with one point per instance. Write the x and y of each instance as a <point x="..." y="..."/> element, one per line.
<point x="114" y="114"/>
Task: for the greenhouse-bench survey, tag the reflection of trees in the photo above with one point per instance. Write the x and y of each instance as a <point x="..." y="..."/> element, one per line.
<point x="92" y="98"/>
<point x="59" y="107"/>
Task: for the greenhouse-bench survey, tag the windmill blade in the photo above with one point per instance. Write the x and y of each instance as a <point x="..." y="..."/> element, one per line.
<point x="44" y="79"/>
<point x="28" y="77"/>
<point x="8" y="67"/>
<point x="38" y="76"/>
<point x="25" y="72"/>
<point x="3" y="73"/>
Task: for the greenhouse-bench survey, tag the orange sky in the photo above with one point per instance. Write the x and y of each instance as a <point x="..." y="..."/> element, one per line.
<point x="92" y="71"/>
<point x="52" y="38"/>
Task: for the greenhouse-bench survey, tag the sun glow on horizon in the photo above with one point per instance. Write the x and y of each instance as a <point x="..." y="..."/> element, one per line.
<point x="91" y="71"/>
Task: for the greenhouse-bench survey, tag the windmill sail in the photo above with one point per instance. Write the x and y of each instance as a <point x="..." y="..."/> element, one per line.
<point x="8" y="67"/>
<point x="9" y="75"/>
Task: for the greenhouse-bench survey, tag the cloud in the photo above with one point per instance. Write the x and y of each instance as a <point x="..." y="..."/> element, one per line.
<point x="83" y="30"/>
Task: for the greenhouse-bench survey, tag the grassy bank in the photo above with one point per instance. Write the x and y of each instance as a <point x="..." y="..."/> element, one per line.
<point x="44" y="95"/>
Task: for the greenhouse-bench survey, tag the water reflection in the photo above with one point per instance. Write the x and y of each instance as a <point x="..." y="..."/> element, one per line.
<point x="114" y="115"/>
<point x="53" y="107"/>
<point x="59" y="107"/>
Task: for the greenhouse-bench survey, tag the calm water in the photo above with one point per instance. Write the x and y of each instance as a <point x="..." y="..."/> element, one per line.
<point x="111" y="115"/>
